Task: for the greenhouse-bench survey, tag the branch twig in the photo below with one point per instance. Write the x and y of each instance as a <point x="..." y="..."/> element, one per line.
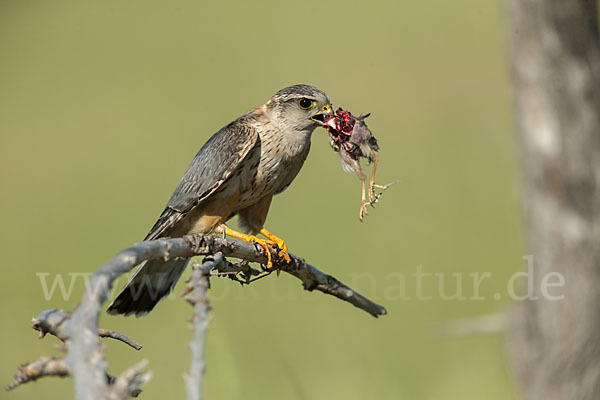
<point x="123" y="387"/>
<point x="107" y="333"/>
<point x="55" y="321"/>
<point x="44" y="366"/>
<point x="198" y="286"/>
<point x="85" y="356"/>
<point x="128" y="383"/>
<point x="311" y="277"/>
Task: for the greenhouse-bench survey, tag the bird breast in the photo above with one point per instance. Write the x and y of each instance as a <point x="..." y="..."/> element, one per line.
<point x="272" y="164"/>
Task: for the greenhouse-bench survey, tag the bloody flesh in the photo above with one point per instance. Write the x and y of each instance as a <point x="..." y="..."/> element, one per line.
<point x="351" y="135"/>
<point x="352" y="139"/>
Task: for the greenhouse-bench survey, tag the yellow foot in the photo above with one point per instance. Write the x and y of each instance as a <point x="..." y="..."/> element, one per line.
<point x="281" y="246"/>
<point x="282" y="252"/>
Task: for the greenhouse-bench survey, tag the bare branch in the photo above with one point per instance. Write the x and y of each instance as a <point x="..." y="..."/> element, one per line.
<point x="199" y="284"/>
<point x="80" y="333"/>
<point x="311" y="277"/>
<point x="128" y="383"/>
<point x="107" y="333"/>
<point x="45" y="366"/>
<point x="85" y="356"/>
<point x="52" y="321"/>
<point x="55" y="321"/>
<point x="55" y="366"/>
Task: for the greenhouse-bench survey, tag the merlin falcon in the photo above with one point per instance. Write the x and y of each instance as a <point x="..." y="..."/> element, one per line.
<point x="236" y="172"/>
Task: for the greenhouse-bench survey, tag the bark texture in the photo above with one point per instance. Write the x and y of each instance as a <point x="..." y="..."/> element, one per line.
<point x="554" y="54"/>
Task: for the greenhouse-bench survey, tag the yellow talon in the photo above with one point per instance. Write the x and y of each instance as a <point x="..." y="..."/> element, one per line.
<point x="273" y="240"/>
<point x="281" y="245"/>
<point x="265" y="246"/>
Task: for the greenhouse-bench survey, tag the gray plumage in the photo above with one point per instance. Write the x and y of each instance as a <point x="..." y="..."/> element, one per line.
<point x="236" y="171"/>
<point x="216" y="160"/>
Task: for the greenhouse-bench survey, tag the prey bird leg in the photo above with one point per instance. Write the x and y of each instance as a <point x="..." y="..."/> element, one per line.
<point x="374" y="198"/>
<point x="352" y="139"/>
<point x="363" y="203"/>
<point x="363" y="180"/>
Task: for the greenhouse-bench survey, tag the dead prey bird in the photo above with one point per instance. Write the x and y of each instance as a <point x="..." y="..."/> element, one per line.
<point x="353" y="140"/>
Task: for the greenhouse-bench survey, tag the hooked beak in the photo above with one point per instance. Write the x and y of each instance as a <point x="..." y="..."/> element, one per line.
<point x="326" y="111"/>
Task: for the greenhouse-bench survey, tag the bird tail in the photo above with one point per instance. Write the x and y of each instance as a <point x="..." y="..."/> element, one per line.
<point x="152" y="281"/>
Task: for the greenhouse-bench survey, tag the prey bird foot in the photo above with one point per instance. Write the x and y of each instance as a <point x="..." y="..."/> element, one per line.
<point x="373" y="197"/>
<point x="363" y="210"/>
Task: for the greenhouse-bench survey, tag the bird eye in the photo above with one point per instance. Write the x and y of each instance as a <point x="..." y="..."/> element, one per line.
<point x="306" y="104"/>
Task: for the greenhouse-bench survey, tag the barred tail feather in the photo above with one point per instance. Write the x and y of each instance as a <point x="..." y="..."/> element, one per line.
<point x="152" y="281"/>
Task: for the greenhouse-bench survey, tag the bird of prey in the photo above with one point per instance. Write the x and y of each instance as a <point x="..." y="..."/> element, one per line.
<point x="236" y="172"/>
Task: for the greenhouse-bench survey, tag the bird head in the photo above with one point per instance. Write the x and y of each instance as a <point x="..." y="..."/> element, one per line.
<point x="300" y="107"/>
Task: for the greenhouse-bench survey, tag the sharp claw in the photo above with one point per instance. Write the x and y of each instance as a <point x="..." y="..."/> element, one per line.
<point x="269" y="258"/>
<point x="265" y="247"/>
<point x="280" y="248"/>
<point x="373" y="197"/>
<point x="363" y="210"/>
<point x="282" y="252"/>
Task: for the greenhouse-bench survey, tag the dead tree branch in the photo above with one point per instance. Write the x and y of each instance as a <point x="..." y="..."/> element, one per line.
<point x="311" y="277"/>
<point x="198" y="286"/>
<point x="128" y="383"/>
<point x="56" y="322"/>
<point x="53" y="321"/>
<point x="44" y="366"/>
<point x="107" y="333"/>
<point x="85" y="355"/>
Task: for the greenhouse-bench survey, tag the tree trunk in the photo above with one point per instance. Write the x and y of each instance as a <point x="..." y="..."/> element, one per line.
<point x="554" y="53"/>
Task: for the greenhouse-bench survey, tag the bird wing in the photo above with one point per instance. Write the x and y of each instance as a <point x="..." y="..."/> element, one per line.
<point x="218" y="158"/>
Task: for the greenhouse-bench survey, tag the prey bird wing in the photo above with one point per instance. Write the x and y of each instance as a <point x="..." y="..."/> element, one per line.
<point x="220" y="156"/>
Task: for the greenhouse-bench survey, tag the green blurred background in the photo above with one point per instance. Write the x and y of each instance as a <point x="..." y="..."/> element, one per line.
<point x="92" y="94"/>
